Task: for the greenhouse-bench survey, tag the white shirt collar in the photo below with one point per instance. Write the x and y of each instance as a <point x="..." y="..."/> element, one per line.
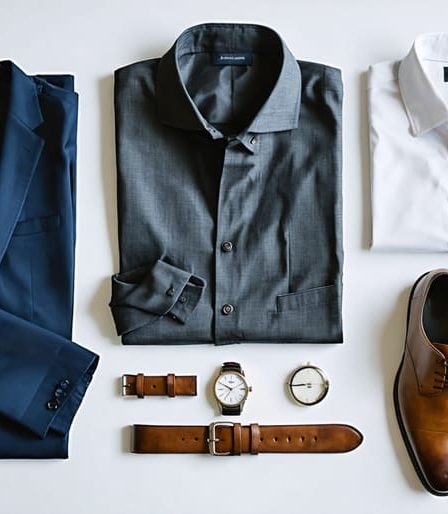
<point x="425" y="107"/>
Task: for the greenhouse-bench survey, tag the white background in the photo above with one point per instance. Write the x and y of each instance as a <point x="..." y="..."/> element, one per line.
<point x="91" y="39"/>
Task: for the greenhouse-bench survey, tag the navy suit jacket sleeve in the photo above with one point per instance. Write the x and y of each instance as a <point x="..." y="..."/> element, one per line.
<point x="34" y="362"/>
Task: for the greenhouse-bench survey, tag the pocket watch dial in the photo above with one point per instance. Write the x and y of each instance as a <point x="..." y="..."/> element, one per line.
<point x="308" y="385"/>
<point x="231" y="389"/>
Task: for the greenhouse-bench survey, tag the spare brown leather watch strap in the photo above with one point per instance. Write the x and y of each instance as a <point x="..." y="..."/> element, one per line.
<point x="225" y="438"/>
<point x="165" y="385"/>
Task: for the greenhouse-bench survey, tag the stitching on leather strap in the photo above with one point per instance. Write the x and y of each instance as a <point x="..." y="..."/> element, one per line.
<point x="236" y="439"/>
<point x="139" y="385"/>
<point x="171" y="385"/>
<point x="254" y="438"/>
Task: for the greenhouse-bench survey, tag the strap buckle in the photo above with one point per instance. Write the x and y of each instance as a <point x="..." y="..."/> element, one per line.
<point x="124" y="385"/>
<point x="212" y="439"/>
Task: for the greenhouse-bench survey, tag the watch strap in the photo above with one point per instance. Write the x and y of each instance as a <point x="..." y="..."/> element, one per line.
<point x="232" y="366"/>
<point x="234" y="439"/>
<point x="164" y="385"/>
<point x="234" y="410"/>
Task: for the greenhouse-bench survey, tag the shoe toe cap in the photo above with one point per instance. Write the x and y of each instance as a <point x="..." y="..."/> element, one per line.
<point x="431" y="452"/>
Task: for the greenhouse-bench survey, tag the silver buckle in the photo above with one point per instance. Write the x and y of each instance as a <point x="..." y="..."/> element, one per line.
<point x="212" y="439"/>
<point x="124" y="385"/>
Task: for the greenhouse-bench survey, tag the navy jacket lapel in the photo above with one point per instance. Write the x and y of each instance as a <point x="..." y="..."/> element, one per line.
<point x="20" y="146"/>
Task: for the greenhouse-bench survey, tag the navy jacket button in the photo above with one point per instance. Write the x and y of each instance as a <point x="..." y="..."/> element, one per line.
<point x="52" y="405"/>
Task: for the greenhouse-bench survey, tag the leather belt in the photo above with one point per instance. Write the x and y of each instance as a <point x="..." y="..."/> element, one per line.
<point x="226" y="438"/>
<point x="169" y="385"/>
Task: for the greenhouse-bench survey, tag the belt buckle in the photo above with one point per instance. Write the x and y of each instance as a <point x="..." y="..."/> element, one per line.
<point x="212" y="439"/>
<point x="124" y="385"/>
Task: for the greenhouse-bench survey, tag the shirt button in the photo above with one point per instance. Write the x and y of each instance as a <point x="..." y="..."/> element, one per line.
<point x="64" y="383"/>
<point x="253" y="140"/>
<point x="52" y="404"/>
<point x="182" y="299"/>
<point x="227" y="246"/>
<point x="227" y="309"/>
<point x="170" y="291"/>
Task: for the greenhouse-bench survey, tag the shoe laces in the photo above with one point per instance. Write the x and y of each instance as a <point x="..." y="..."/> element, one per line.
<point x="441" y="379"/>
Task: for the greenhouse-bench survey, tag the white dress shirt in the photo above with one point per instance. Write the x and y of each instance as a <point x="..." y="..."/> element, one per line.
<point x="408" y="117"/>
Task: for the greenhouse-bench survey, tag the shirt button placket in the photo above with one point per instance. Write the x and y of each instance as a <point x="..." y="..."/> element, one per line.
<point x="225" y="299"/>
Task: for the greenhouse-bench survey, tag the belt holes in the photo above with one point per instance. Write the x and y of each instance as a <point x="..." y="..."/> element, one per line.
<point x="183" y="438"/>
<point x="261" y="439"/>
<point x="196" y="439"/>
<point x="315" y="438"/>
<point x="153" y="386"/>
<point x="302" y="439"/>
<point x="288" y="439"/>
<point x="275" y="439"/>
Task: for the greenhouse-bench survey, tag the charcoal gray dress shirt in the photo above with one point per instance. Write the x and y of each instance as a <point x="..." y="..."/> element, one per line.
<point x="229" y="193"/>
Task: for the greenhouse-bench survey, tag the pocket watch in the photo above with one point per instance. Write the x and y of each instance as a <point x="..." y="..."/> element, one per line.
<point x="308" y="385"/>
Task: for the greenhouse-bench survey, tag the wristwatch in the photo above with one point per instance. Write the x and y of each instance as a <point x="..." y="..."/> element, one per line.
<point x="231" y="389"/>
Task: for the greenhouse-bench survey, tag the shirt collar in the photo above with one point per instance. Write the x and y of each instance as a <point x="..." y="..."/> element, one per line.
<point x="176" y="107"/>
<point x="425" y="107"/>
<point x="23" y="101"/>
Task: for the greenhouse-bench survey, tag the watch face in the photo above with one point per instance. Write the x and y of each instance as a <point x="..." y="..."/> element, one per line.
<point x="309" y="385"/>
<point x="231" y="388"/>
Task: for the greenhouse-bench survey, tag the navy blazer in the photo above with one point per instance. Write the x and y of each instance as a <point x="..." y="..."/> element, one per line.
<point x="43" y="374"/>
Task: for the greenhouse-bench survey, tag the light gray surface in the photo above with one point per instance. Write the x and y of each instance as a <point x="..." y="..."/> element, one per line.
<point x="91" y="39"/>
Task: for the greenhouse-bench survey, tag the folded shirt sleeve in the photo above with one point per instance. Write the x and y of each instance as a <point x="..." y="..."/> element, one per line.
<point x="43" y="376"/>
<point x="145" y="294"/>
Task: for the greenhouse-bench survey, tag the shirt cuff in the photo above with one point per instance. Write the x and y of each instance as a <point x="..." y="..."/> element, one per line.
<point x="143" y="296"/>
<point x="187" y="300"/>
<point x="61" y="391"/>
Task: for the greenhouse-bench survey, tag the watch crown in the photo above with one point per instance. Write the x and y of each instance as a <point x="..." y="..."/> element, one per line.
<point x="250" y="389"/>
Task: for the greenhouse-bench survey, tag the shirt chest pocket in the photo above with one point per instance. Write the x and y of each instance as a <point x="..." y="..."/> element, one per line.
<point x="307" y="298"/>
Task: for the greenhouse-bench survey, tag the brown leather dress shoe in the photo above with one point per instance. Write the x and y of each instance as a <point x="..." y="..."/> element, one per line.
<point x="421" y="384"/>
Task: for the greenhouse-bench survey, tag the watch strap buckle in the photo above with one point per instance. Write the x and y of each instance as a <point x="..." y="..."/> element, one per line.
<point x="125" y="385"/>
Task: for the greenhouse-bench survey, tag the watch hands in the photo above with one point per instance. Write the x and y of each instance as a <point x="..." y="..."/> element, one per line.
<point x="225" y="385"/>
<point x="308" y="384"/>
<point x="225" y="397"/>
